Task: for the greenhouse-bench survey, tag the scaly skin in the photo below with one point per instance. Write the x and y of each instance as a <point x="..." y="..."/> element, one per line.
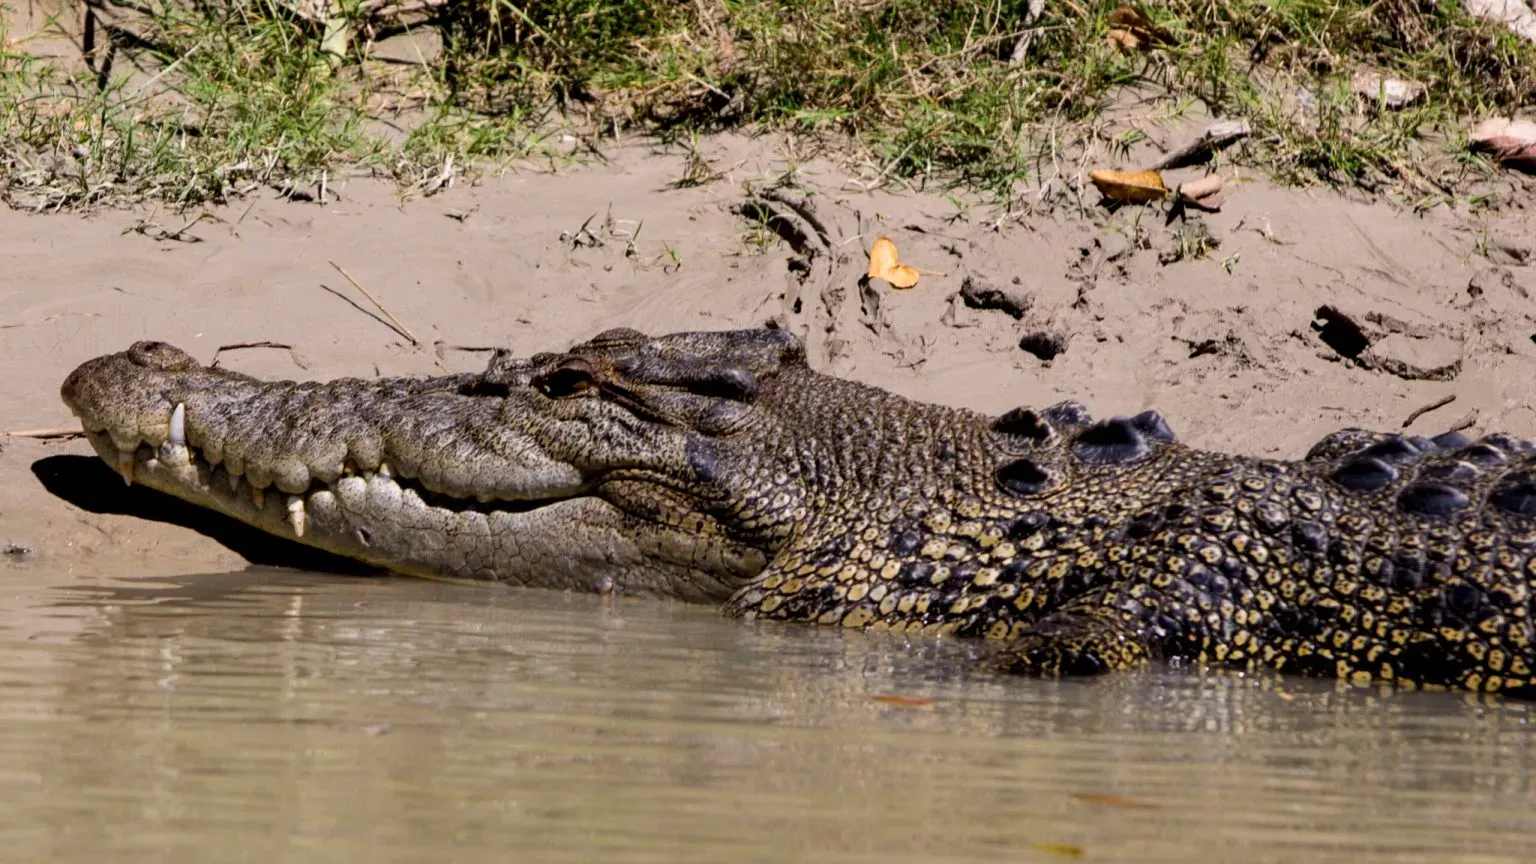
<point x="718" y="467"/>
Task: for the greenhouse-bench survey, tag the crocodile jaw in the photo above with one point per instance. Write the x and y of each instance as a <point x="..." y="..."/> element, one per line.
<point x="580" y="543"/>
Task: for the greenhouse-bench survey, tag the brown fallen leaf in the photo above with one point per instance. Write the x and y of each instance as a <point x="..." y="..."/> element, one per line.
<point x="1509" y="142"/>
<point x="1063" y="850"/>
<point x="1123" y="41"/>
<point x="1121" y="801"/>
<point x="885" y="263"/>
<point x="904" y="701"/>
<point x="1131" y="29"/>
<point x="1130" y="187"/>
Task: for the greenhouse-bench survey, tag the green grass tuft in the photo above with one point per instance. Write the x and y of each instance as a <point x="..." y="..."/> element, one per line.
<point x="203" y="98"/>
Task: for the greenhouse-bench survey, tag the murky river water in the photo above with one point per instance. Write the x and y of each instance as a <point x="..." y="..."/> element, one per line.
<point x="276" y="716"/>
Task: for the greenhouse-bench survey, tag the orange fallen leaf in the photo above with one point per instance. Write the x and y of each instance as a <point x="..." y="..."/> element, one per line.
<point x="885" y="263"/>
<point x="1064" y="850"/>
<point x="905" y="701"/>
<point x="1130" y="187"/>
<point x="1114" y="801"/>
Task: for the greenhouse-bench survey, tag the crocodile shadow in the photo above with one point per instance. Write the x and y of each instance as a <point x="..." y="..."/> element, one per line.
<point x="88" y="483"/>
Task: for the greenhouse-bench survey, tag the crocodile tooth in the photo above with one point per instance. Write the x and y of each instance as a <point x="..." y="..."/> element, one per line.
<point x="386" y="471"/>
<point x="296" y="515"/>
<point x="234" y="482"/>
<point x="125" y="465"/>
<point x="259" y="498"/>
<point x="179" y="425"/>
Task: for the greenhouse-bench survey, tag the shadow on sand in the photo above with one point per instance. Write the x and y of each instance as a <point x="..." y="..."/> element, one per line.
<point x="89" y="484"/>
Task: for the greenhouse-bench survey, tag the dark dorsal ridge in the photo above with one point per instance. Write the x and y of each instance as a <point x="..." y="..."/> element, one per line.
<point x="1517" y="495"/>
<point x="1451" y="440"/>
<point x="1484" y="454"/>
<point x="1397" y="448"/>
<point x="1364" y="474"/>
<point x="1457" y="470"/>
<point x="1432" y="499"/>
<point x="1509" y="443"/>
<point x="1024" y="423"/>
<point x="1028" y="525"/>
<point x="1023" y="477"/>
<point x="1067" y="415"/>
<point x="1152" y="425"/>
<point x="1111" y="442"/>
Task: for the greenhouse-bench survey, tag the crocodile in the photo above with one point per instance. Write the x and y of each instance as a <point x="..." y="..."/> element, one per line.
<point x="719" y="467"/>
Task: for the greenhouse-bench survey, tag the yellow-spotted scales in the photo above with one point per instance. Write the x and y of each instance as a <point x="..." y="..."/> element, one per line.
<point x="718" y="467"/>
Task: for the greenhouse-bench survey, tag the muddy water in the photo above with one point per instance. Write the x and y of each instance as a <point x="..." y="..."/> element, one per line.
<point x="277" y="716"/>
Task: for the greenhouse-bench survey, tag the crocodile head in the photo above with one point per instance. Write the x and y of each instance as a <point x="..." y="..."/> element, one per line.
<point x="649" y="462"/>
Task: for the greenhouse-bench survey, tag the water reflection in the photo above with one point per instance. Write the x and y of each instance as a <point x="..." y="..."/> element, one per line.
<point x="270" y="715"/>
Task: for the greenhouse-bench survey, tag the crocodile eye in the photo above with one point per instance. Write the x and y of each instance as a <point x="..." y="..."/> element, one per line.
<point x="569" y="379"/>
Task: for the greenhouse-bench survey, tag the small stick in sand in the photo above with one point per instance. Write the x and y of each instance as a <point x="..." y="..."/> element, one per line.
<point x="49" y="434"/>
<point x="264" y="344"/>
<point x="1438" y="403"/>
<point x="1215" y="137"/>
<point x="404" y="330"/>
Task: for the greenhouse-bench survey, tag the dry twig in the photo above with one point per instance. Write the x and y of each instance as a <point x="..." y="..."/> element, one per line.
<point x="53" y="433"/>
<point x="1420" y="412"/>
<point x="403" y="330"/>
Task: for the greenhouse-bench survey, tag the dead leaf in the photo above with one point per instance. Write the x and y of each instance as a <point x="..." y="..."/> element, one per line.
<point x="1129" y="27"/>
<point x="1123" y="41"/>
<point x="1064" y="850"/>
<point x="904" y="701"/>
<point x="1114" y="801"/>
<point x="885" y="263"/>
<point x="1509" y="142"/>
<point x="1130" y="187"/>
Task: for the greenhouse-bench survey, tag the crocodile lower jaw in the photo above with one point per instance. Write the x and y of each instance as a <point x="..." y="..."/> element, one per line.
<point x="371" y="516"/>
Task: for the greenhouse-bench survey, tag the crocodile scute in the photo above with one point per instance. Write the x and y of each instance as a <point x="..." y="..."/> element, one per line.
<point x="718" y="467"/>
